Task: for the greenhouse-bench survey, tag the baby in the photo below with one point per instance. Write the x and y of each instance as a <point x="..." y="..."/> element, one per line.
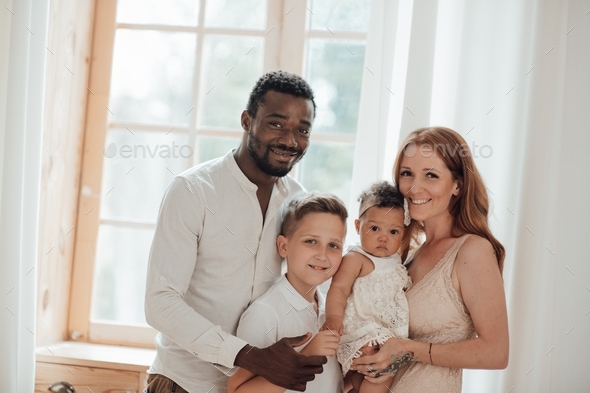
<point x="366" y="302"/>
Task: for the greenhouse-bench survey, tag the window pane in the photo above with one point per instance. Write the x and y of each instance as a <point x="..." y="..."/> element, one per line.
<point x="335" y="72"/>
<point x="328" y="168"/>
<point x="342" y="15"/>
<point x="210" y="147"/>
<point x="120" y="274"/>
<point x="163" y="12"/>
<point x="231" y="67"/>
<point x="137" y="169"/>
<point x="243" y="14"/>
<point x="152" y="76"/>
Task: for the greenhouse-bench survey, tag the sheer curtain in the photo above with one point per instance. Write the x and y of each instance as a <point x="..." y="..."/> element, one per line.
<point x="23" y="26"/>
<point x="376" y="94"/>
<point x="513" y="79"/>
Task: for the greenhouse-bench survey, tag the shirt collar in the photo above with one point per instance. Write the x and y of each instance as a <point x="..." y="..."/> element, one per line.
<point x="234" y="169"/>
<point x="295" y="299"/>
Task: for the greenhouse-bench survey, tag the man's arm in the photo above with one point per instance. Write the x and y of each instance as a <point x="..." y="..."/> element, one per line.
<point x="244" y="381"/>
<point x="172" y="261"/>
<point x="280" y="364"/>
<point x="272" y="358"/>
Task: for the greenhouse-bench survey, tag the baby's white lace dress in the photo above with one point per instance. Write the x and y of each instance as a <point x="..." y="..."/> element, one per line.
<point x="377" y="308"/>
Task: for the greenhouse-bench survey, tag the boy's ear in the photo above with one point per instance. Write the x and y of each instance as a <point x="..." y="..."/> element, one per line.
<point x="357" y="225"/>
<point x="282" y="246"/>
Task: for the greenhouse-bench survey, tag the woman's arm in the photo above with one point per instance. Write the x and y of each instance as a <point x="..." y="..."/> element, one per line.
<point x="481" y="287"/>
<point x="340" y="289"/>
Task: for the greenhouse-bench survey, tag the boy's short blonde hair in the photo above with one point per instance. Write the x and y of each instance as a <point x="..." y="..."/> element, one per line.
<point x="311" y="202"/>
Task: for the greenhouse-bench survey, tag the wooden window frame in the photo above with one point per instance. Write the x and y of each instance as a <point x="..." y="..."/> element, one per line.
<point x="288" y="17"/>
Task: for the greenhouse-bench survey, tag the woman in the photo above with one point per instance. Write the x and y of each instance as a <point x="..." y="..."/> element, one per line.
<point x="457" y="305"/>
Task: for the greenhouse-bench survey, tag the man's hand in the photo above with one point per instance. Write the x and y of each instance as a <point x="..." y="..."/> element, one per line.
<point x="280" y="364"/>
<point x="333" y="324"/>
<point x="325" y="343"/>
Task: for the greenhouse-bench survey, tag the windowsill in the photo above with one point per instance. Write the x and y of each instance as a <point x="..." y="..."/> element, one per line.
<point x="112" y="357"/>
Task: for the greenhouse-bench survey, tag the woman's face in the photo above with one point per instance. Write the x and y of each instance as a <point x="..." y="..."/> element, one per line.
<point x="427" y="183"/>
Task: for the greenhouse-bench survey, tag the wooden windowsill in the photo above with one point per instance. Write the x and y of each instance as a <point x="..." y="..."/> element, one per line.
<point x="97" y="355"/>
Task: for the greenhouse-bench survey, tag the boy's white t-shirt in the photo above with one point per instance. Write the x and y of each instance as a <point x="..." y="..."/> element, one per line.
<point x="283" y="312"/>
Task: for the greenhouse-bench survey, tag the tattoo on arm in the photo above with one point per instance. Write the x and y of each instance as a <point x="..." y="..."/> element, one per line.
<point x="399" y="360"/>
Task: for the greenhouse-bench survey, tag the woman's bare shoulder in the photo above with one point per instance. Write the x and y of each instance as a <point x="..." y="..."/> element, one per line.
<point x="478" y="250"/>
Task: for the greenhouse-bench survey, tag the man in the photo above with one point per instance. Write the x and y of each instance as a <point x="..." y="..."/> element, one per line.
<point x="214" y="250"/>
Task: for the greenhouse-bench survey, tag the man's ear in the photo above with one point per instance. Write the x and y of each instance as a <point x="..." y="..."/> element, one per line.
<point x="246" y="121"/>
<point x="357" y="225"/>
<point x="282" y="245"/>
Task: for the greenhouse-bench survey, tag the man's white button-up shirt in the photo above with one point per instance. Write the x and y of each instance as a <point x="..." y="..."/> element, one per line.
<point x="212" y="255"/>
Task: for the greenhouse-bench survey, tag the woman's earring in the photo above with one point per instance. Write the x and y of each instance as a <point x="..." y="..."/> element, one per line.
<point x="407" y="218"/>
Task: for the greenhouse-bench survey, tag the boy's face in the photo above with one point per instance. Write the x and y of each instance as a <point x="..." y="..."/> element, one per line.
<point x="313" y="251"/>
<point x="381" y="230"/>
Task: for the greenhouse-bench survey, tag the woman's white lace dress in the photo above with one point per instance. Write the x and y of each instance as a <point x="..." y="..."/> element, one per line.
<point x="377" y="308"/>
<point x="440" y="317"/>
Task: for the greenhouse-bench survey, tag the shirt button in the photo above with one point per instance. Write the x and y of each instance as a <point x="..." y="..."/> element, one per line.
<point x="162" y="278"/>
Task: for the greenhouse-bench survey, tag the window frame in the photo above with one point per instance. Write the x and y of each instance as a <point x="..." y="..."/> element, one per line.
<point x="287" y="18"/>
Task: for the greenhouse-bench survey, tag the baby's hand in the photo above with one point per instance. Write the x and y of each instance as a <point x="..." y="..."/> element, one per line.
<point x="325" y="343"/>
<point x="333" y="324"/>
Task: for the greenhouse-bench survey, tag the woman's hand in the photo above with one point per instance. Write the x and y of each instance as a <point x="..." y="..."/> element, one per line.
<point x="392" y="355"/>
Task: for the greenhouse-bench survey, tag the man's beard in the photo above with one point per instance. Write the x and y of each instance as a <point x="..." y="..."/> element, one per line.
<point x="263" y="161"/>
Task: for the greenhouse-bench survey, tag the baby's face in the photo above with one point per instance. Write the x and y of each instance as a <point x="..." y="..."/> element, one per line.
<point x="381" y="230"/>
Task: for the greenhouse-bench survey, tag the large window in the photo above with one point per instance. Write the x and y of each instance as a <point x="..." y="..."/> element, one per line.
<point x="167" y="88"/>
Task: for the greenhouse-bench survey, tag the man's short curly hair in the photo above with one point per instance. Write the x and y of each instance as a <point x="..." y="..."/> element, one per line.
<point x="381" y="194"/>
<point x="283" y="82"/>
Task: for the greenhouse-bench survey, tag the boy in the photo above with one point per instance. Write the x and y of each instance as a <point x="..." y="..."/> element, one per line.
<point x="312" y="235"/>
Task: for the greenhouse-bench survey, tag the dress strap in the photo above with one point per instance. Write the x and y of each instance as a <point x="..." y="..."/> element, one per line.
<point x="454" y="250"/>
<point x="446" y="270"/>
<point x="379" y="263"/>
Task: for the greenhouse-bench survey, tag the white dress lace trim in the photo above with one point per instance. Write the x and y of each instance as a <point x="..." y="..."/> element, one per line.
<point x="376" y="309"/>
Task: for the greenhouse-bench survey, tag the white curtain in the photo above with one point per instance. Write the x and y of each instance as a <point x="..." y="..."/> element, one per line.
<point x="23" y="26"/>
<point x="513" y="77"/>
<point x="372" y="136"/>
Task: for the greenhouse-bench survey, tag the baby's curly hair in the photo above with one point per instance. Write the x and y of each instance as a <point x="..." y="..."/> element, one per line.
<point x="381" y="194"/>
<point x="283" y="82"/>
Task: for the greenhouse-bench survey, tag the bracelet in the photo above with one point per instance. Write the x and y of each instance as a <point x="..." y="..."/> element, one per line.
<point x="430" y="352"/>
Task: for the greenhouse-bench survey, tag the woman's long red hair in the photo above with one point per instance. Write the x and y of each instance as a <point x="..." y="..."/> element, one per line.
<point x="470" y="207"/>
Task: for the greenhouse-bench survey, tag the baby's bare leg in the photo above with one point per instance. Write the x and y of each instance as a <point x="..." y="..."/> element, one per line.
<point x="370" y="349"/>
<point x="369" y="387"/>
<point x="352" y="382"/>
